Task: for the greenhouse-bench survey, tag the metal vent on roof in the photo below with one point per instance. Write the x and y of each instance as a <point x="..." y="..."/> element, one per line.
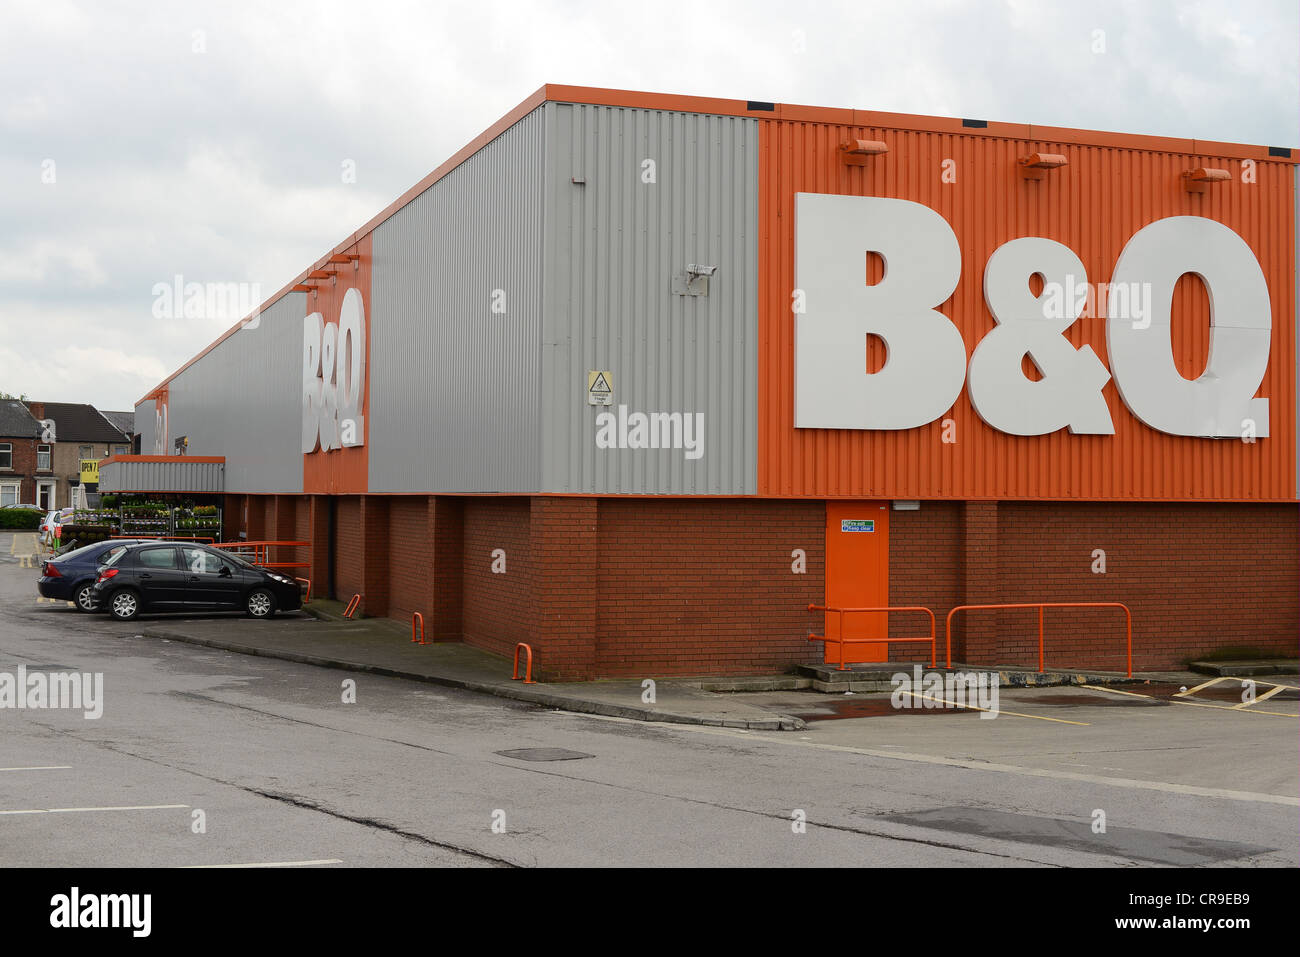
<point x="759" y="105"/>
<point x="976" y="124"/>
<point x="1279" y="151"/>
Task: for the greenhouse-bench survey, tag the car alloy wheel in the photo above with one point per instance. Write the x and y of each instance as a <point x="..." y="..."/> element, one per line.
<point x="125" y="605"/>
<point x="261" y="604"/>
<point x="85" y="597"/>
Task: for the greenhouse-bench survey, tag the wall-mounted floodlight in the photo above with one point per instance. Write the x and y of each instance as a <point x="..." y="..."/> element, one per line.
<point x="857" y="152"/>
<point x="1036" y="166"/>
<point x="1196" y="180"/>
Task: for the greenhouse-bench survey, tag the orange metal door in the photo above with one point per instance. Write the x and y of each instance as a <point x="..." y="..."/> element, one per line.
<point x="857" y="576"/>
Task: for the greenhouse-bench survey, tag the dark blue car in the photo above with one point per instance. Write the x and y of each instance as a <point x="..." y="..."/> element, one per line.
<point x="71" y="577"/>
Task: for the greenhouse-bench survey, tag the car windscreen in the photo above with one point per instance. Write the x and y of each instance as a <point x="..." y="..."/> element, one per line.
<point x="82" y="553"/>
<point x="241" y="562"/>
<point x="113" y="557"/>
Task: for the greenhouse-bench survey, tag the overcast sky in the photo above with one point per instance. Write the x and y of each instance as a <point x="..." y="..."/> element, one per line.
<point x="141" y="141"/>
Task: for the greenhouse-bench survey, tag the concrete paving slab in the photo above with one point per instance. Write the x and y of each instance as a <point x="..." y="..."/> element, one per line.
<point x="383" y="646"/>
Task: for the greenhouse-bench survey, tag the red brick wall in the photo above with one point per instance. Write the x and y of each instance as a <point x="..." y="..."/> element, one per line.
<point x="498" y="609"/>
<point x="658" y="587"/>
<point x="925" y="568"/>
<point x="24" y="467"/>
<point x="1196" y="576"/>
<point x="376" y="558"/>
<point x="347" y="548"/>
<point x="259" y="509"/>
<point x="409" y="584"/>
<point x="690" y="586"/>
<point x="446" y="517"/>
<point x="232" y="517"/>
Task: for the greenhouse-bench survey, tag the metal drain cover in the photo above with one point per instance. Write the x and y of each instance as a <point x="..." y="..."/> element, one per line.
<point x="544" y="754"/>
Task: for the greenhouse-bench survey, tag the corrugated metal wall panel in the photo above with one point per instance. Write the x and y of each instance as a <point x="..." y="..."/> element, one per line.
<point x="144" y="424"/>
<point x="243" y="400"/>
<point x="1093" y="205"/>
<point x="454" y="385"/>
<point x="614" y="243"/>
<point x="177" y="476"/>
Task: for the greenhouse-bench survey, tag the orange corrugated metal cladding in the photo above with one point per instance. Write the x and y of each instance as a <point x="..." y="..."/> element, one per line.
<point x="1093" y="205"/>
<point x="342" y="470"/>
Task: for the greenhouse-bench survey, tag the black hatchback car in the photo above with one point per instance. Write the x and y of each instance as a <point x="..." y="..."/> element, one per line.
<point x="167" y="576"/>
<point x="71" y="576"/>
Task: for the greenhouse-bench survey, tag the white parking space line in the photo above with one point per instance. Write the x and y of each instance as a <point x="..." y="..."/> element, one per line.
<point x="1264" y="697"/>
<point x="972" y="707"/>
<point x="1132" y="694"/>
<point x="1232" y="707"/>
<point x="1203" y="684"/>
<point x="974" y="765"/>
<point x="332" y="860"/>
<point x="42" y="767"/>
<point x="85" y="810"/>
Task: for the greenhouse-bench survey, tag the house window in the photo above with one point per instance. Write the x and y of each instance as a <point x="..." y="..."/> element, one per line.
<point x="87" y="452"/>
<point x="43" y="457"/>
<point x="6" y="455"/>
<point x="8" y="495"/>
<point x="121" y="450"/>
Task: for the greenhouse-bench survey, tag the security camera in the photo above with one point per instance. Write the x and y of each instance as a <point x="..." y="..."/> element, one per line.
<point x="697" y="270"/>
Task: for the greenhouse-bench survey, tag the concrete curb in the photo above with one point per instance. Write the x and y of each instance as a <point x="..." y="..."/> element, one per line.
<point x="562" y="702"/>
<point x="1245" y="669"/>
<point x="828" y="680"/>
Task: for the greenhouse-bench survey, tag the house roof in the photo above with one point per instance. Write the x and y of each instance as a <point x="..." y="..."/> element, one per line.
<point x="78" y="422"/>
<point x="125" y="421"/>
<point x="16" y="422"/>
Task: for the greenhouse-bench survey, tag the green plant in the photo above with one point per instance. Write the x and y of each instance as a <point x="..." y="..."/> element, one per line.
<point x="20" y="518"/>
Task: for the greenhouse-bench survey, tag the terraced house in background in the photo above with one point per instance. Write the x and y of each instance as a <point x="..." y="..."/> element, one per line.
<point x="75" y="437"/>
<point x="636" y="378"/>
<point x="19" y="439"/>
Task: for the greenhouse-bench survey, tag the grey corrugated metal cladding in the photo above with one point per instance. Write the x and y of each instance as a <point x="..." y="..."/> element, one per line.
<point x="144" y="424"/>
<point x="560" y="247"/>
<point x="454" y="346"/>
<point x="243" y="400"/>
<point x="634" y="197"/>
<point x="175" y="476"/>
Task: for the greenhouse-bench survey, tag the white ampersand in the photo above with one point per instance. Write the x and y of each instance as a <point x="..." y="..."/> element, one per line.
<point x="1069" y="393"/>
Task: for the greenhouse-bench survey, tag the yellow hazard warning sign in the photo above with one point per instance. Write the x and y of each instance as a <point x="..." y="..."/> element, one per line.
<point x="600" y="388"/>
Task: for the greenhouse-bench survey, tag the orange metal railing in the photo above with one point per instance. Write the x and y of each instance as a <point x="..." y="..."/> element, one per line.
<point x="417" y="617"/>
<point x="528" y="669"/>
<point x="307" y="595"/>
<point x="842" y="641"/>
<point x="352" y="606"/>
<point x="1040" y="605"/>
<point x="259" y="553"/>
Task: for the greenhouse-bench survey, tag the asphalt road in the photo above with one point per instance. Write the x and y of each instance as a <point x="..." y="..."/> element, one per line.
<point x="284" y="771"/>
